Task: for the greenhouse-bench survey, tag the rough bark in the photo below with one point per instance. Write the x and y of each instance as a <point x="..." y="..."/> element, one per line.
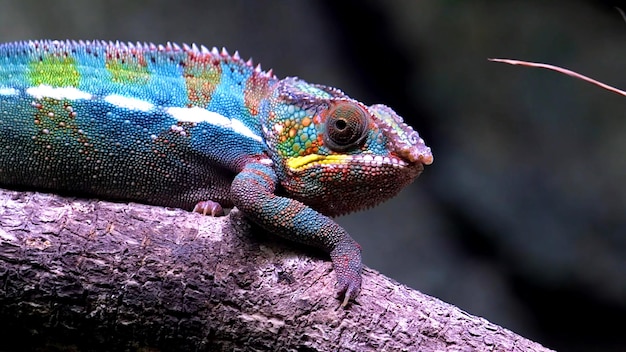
<point x="79" y="274"/>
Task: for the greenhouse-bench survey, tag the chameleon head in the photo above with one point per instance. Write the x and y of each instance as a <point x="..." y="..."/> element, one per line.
<point x="335" y="154"/>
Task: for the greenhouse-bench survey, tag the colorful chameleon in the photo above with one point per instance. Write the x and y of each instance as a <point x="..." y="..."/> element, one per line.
<point x="199" y="129"/>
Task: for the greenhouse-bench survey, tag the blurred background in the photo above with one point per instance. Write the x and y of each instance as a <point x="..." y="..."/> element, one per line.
<point x="522" y="217"/>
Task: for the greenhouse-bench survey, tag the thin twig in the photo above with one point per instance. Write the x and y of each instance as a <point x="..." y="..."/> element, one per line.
<point x="562" y="70"/>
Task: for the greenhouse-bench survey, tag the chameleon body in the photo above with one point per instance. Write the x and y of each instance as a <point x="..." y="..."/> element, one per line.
<point x="199" y="129"/>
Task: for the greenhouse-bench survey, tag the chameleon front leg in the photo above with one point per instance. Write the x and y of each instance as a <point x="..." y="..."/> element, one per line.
<point x="252" y="191"/>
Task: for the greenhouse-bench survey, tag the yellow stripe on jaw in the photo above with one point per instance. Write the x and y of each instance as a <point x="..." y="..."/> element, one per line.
<point x="300" y="161"/>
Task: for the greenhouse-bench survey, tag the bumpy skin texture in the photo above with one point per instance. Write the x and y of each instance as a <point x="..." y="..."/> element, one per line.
<point x="199" y="129"/>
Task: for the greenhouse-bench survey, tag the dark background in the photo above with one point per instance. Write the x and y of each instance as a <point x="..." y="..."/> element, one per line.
<point x="521" y="218"/>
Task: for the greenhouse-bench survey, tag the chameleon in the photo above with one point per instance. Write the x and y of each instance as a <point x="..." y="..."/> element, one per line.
<point x="189" y="127"/>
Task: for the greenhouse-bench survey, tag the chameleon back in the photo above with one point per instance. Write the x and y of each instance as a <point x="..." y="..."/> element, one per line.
<point x="156" y="124"/>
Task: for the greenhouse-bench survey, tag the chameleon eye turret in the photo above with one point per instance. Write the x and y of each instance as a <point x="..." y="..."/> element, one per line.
<point x="346" y="126"/>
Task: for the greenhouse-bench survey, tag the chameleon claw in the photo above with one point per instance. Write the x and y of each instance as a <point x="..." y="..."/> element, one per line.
<point x="346" y="299"/>
<point x="349" y="291"/>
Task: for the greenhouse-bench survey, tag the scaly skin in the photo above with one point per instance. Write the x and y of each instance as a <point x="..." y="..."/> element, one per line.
<point x="198" y="129"/>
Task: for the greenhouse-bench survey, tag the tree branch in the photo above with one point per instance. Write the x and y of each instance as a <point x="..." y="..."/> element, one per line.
<point x="96" y="275"/>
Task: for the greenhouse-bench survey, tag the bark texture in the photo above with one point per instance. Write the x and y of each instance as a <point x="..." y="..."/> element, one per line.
<point x="85" y="275"/>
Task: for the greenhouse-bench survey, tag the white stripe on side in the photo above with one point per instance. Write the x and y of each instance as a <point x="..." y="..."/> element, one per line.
<point x="129" y="103"/>
<point x="197" y="114"/>
<point x="8" y="91"/>
<point x="58" y="93"/>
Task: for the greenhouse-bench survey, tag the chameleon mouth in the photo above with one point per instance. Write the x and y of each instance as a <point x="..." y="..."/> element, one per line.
<point x="313" y="160"/>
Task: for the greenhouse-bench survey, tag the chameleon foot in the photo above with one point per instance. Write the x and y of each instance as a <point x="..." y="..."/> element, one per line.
<point x="349" y="290"/>
<point x="209" y="207"/>
<point x="346" y="259"/>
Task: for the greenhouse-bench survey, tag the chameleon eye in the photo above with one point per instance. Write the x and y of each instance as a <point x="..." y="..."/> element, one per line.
<point x="346" y="126"/>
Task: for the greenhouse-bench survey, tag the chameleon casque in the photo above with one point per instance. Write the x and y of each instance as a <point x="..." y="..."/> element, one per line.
<point x="200" y="129"/>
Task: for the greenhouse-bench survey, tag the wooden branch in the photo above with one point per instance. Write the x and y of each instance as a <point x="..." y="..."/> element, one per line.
<point x="92" y="275"/>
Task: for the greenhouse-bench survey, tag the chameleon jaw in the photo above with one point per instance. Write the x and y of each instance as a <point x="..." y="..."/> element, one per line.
<point x="311" y="160"/>
<point x="338" y="184"/>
